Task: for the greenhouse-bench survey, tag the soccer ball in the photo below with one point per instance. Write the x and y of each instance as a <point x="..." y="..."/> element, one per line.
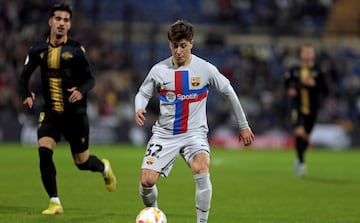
<point x="151" y="215"/>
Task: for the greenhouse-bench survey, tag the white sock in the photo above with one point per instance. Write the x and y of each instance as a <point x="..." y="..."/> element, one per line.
<point x="106" y="169"/>
<point x="55" y="200"/>
<point x="149" y="195"/>
<point x="203" y="195"/>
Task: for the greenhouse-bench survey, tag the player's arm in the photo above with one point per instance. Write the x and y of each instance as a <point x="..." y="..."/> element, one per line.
<point x="245" y="133"/>
<point x="142" y="98"/>
<point x="141" y="101"/>
<point x="322" y="84"/>
<point x="88" y="80"/>
<point x="222" y="84"/>
<point x="290" y="83"/>
<point x="24" y="92"/>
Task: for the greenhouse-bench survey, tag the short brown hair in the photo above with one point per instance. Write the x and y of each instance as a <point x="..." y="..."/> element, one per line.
<point x="181" y="30"/>
<point x="61" y="7"/>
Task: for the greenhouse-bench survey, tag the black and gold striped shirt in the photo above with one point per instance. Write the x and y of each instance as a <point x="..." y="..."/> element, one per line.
<point x="62" y="68"/>
<point x="307" y="99"/>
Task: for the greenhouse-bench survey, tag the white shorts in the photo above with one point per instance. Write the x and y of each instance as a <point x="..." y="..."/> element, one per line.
<point x="163" y="150"/>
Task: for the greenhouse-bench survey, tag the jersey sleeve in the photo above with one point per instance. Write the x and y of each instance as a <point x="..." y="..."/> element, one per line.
<point x="322" y="83"/>
<point x="88" y="80"/>
<point x="289" y="80"/>
<point x="222" y="84"/>
<point x="30" y="64"/>
<point x="145" y="92"/>
<point x="217" y="80"/>
<point x="239" y="113"/>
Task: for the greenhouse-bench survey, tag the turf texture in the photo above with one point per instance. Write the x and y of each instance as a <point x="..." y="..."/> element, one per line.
<point x="249" y="186"/>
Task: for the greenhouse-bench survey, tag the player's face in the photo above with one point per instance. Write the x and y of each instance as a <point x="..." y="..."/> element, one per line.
<point x="181" y="52"/>
<point x="307" y="55"/>
<point x="60" y="23"/>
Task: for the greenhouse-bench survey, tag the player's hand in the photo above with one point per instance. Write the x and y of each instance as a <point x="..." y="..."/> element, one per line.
<point x="292" y="92"/>
<point x="29" y="101"/>
<point x="140" y="117"/>
<point x="309" y="82"/>
<point x="75" y="95"/>
<point x="299" y="131"/>
<point x="246" y="136"/>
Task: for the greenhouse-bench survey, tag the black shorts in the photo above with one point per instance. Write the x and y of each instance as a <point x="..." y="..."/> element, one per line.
<point x="74" y="127"/>
<point x="299" y="119"/>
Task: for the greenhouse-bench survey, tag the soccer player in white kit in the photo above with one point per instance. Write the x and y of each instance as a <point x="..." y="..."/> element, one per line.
<point x="182" y="82"/>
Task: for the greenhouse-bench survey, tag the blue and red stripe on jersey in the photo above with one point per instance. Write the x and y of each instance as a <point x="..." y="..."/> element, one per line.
<point x="182" y="103"/>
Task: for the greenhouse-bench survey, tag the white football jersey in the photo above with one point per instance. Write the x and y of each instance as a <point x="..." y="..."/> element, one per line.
<point x="183" y="93"/>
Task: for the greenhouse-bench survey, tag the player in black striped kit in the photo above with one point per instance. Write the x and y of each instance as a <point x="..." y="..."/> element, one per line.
<point x="66" y="78"/>
<point x="305" y="84"/>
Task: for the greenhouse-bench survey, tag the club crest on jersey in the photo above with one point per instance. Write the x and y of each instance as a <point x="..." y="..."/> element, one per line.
<point x="150" y="160"/>
<point x="67" y="55"/>
<point x="195" y="81"/>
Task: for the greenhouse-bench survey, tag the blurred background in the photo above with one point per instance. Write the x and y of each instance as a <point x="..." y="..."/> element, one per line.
<point x="252" y="42"/>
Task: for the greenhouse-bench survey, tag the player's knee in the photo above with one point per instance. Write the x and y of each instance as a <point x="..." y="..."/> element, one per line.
<point x="83" y="166"/>
<point x="200" y="164"/>
<point x="200" y="167"/>
<point x="299" y="131"/>
<point x="148" y="178"/>
<point x="147" y="182"/>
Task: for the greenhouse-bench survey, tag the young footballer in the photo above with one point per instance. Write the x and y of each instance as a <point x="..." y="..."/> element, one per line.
<point x="305" y="83"/>
<point x="182" y="82"/>
<point x="66" y="78"/>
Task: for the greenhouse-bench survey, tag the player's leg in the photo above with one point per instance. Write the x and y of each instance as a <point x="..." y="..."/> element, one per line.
<point x="161" y="153"/>
<point x="47" y="166"/>
<point x="148" y="190"/>
<point x="48" y="135"/>
<point x="301" y="138"/>
<point x="85" y="161"/>
<point x="200" y="168"/>
<point x="303" y="141"/>
<point x="48" y="175"/>
<point x="77" y="134"/>
<point x="197" y="155"/>
<point x="299" y="133"/>
<point x="302" y="133"/>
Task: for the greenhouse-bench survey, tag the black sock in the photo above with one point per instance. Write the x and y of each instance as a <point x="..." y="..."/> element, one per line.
<point x="301" y="146"/>
<point x="93" y="164"/>
<point x="48" y="171"/>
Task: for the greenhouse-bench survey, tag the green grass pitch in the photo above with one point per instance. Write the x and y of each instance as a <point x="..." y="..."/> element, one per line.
<point x="249" y="186"/>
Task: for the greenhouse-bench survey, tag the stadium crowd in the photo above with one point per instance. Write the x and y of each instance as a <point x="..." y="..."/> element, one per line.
<point x="256" y="70"/>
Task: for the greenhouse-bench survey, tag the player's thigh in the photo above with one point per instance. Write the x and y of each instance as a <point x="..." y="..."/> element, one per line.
<point x="49" y="129"/>
<point x="296" y="117"/>
<point x="161" y="153"/>
<point x="309" y="122"/>
<point x="76" y="132"/>
<point x="196" y="153"/>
